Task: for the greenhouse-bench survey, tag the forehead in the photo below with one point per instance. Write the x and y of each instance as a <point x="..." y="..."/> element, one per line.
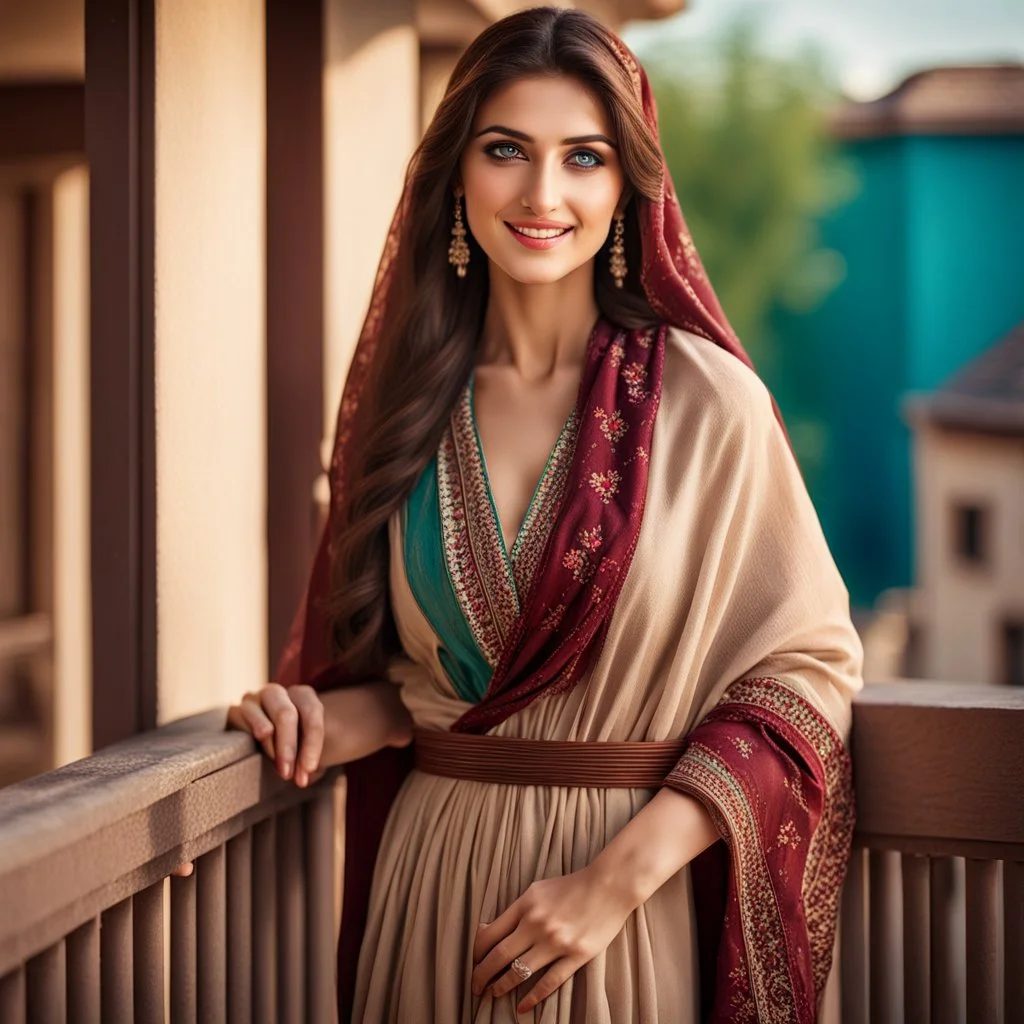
<point x="547" y="108"/>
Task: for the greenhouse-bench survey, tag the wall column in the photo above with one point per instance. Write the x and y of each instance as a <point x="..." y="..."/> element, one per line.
<point x="210" y="358"/>
<point x="371" y="126"/>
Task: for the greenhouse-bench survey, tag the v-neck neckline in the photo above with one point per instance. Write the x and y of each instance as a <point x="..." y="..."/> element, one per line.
<point x="511" y="556"/>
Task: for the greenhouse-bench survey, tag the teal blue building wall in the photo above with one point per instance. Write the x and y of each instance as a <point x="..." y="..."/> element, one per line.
<point x="933" y="244"/>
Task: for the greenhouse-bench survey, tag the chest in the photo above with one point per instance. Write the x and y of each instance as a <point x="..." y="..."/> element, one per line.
<point x="518" y="426"/>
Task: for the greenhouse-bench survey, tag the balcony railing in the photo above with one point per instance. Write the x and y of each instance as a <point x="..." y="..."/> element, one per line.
<point x="933" y="910"/>
<point x="85" y="852"/>
<point x="933" y="913"/>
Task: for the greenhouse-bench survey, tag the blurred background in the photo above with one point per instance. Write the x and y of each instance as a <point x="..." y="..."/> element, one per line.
<point x="193" y="197"/>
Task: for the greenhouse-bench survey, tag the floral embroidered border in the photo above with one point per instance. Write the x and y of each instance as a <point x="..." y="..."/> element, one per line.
<point x="704" y="773"/>
<point x="830" y="843"/>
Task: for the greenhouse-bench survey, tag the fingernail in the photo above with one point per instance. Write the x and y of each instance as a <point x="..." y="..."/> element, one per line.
<point x="286" y="769"/>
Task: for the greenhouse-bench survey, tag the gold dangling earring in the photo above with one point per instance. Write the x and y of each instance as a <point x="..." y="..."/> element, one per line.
<point x="618" y="252"/>
<point x="458" y="251"/>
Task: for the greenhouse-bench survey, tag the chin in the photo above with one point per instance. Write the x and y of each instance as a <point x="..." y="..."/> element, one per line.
<point x="538" y="271"/>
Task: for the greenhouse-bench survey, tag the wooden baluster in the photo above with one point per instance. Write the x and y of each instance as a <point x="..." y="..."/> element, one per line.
<point x="321" y="954"/>
<point x="290" y="917"/>
<point x="853" y="944"/>
<point x="915" y="939"/>
<point x="264" y="921"/>
<point x="183" y="949"/>
<point x="116" y="962"/>
<point x="982" y="891"/>
<point x="83" y="957"/>
<point x="1013" y="946"/>
<point x="884" y="941"/>
<point x="943" y="966"/>
<point x="148" y="926"/>
<point x="211" y="941"/>
<point x="12" y="997"/>
<point x="239" y="928"/>
<point x="46" y="987"/>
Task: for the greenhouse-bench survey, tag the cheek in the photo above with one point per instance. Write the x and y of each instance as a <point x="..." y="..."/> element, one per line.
<point x="487" y="193"/>
<point x="596" y="204"/>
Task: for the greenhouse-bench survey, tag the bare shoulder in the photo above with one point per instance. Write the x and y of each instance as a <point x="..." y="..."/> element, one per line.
<point x="713" y="384"/>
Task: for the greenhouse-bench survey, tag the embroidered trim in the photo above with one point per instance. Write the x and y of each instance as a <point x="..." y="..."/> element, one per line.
<point x="463" y="568"/>
<point x="542" y="512"/>
<point x="704" y="774"/>
<point x="830" y="843"/>
<point x="487" y="581"/>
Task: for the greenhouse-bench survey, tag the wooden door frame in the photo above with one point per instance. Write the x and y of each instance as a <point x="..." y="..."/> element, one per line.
<point x="119" y="99"/>
<point x="295" y="300"/>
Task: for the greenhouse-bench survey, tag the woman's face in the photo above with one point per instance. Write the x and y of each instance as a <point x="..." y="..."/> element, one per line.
<point x="541" y="177"/>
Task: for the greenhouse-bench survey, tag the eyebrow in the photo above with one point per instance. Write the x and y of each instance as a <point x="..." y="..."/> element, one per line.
<point x="576" y="140"/>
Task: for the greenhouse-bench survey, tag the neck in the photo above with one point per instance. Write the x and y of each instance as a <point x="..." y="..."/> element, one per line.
<point x="539" y="328"/>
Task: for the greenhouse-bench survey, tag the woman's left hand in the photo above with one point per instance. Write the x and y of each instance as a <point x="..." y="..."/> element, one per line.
<point x="559" y="924"/>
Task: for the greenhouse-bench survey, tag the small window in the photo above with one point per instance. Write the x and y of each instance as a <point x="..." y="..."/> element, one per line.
<point x="1013" y="653"/>
<point x="971" y="533"/>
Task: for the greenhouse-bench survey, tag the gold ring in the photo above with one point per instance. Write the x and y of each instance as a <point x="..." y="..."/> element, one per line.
<point x="520" y="970"/>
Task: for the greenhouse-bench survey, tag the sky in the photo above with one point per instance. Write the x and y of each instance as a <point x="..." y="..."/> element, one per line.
<point x="869" y="45"/>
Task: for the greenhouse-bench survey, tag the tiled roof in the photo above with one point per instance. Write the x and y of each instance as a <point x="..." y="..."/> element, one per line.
<point x="987" y="394"/>
<point x="985" y="99"/>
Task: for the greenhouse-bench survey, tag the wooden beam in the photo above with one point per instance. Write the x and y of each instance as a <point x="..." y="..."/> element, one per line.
<point x="295" y="299"/>
<point x="119" y="61"/>
<point x="41" y="119"/>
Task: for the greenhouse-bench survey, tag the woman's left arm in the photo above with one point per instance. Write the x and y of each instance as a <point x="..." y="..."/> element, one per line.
<point x="562" y="923"/>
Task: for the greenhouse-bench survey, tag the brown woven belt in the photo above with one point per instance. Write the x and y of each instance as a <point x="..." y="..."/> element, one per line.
<point x="511" y="761"/>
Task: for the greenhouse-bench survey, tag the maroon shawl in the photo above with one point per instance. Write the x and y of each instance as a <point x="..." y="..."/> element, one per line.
<point x="767" y="893"/>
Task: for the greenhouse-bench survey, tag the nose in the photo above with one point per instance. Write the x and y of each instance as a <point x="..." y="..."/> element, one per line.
<point x="542" y="194"/>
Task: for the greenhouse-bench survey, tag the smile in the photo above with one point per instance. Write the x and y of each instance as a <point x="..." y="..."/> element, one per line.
<point x="538" y="238"/>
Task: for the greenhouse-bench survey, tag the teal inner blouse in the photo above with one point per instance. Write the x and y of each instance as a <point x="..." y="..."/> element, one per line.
<point x="427" y="572"/>
<point x="426" y="566"/>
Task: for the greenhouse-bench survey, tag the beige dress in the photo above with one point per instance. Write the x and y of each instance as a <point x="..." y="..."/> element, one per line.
<point x="731" y="579"/>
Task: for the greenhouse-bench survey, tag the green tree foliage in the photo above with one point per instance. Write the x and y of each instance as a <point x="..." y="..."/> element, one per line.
<point x="744" y="136"/>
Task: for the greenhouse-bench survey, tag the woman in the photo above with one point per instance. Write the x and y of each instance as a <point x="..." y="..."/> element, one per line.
<point x="569" y="552"/>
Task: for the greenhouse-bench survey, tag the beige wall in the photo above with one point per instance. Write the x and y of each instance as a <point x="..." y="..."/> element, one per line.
<point x="962" y="607"/>
<point x="371" y="126"/>
<point x="210" y="352"/>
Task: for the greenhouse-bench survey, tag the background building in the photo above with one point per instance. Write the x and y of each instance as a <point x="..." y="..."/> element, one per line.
<point x="967" y="613"/>
<point x="931" y="249"/>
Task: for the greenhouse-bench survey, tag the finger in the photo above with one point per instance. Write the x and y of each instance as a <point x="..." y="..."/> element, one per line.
<point x="311" y="719"/>
<point x="285" y="716"/>
<point x="251" y="717"/>
<point x="535" y="959"/>
<point x="487" y="935"/>
<point x="554" y="978"/>
<point x="498" y="959"/>
<point x="183" y="870"/>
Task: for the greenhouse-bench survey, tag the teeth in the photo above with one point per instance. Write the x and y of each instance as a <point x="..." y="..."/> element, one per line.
<point x="540" y="232"/>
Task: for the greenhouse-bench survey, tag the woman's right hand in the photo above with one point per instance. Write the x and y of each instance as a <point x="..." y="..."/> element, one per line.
<point x="280" y="720"/>
<point x="288" y="723"/>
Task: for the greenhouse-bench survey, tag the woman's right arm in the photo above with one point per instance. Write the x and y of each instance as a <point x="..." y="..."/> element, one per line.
<point x="304" y="732"/>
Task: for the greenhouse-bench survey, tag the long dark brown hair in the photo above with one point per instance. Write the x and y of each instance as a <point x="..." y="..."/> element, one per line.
<point x="431" y="325"/>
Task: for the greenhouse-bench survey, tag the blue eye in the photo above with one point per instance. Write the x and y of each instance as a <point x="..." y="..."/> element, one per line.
<point x="586" y="159"/>
<point x="504" y="151"/>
